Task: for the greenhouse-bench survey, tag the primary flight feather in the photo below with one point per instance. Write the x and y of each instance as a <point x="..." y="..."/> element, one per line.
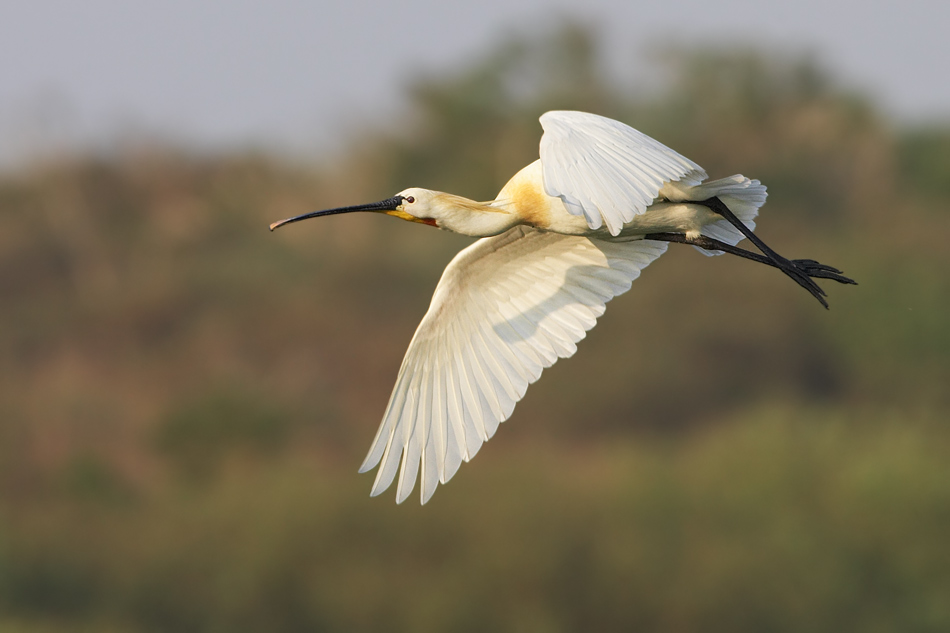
<point x="564" y="236"/>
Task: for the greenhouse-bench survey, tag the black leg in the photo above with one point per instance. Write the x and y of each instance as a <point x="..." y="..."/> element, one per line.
<point x="793" y="269"/>
<point x="718" y="206"/>
<point x="808" y="267"/>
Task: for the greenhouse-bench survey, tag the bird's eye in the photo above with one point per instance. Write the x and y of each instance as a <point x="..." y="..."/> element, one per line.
<point x="410" y="199"/>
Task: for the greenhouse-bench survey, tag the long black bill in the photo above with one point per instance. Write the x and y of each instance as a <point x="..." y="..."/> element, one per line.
<point x="389" y="204"/>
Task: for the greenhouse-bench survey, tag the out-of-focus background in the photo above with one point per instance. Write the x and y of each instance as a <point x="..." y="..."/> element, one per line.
<point x="185" y="397"/>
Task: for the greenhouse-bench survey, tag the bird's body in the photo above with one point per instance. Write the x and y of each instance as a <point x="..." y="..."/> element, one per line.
<point x="565" y="235"/>
<point x="523" y="201"/>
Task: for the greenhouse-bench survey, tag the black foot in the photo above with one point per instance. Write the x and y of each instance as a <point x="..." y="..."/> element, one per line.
<point x="800" y="275"/>
<point x="801" y="270"/>
<point x="794" y="270"/>
<point x="815" y="269"/>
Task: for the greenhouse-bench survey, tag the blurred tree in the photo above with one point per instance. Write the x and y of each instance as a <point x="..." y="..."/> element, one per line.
<point x="795" y="476"/>
<point x="472" y="131"/>
<point x="925" y="163"/>
<point x="198" y="434"/>
<point x="822" y="150"/>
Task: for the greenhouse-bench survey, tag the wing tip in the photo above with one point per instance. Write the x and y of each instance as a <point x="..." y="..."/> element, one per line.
<point x="424" y="497"/>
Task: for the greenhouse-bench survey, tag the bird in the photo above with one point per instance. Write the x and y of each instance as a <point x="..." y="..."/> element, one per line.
<point x="566" y="234"/>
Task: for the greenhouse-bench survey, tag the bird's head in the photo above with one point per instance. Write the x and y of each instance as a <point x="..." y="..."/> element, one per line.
<point x="420" y="205"/>
<point x="408" y="205"/>
<point x="433" y="208"/>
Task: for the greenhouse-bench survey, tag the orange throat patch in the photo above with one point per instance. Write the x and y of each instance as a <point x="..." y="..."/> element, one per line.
<point x="402" y="215"/>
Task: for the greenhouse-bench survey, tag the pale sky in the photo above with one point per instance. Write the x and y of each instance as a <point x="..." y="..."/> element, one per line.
<point x="298" y="73"/>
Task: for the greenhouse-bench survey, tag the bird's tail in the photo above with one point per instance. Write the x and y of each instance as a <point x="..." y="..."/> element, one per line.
<point x="742" y="196"/>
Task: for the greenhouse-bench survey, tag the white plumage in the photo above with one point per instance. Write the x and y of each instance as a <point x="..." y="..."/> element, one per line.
<point x="506" y="307"/>
<point x="605" y="170"/>
<point x="564" y="236"/>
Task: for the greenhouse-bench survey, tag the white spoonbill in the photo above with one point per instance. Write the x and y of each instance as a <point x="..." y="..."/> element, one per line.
<point x="567" y="233"/>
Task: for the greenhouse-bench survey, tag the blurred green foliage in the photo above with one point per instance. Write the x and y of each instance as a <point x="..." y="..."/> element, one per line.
<point x="199" y="434"/>
<point x="924" y="157"/>
<point x="185" y="397"/>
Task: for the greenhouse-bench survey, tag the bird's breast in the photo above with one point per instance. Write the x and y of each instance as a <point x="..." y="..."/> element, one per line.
<point x="524" y="196"/>
<point x="531" y="204"/>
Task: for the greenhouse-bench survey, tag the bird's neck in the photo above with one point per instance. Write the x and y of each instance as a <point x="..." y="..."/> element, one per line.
<point x="477" y="219"/>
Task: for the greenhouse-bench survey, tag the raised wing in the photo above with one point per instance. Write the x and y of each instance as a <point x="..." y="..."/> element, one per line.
<point x="506" y="307"/>
<point x="605" y="170"/>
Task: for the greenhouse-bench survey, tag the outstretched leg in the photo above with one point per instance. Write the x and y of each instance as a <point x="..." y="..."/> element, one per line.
<point x="793" y="269"/>
<point x="808" y="267"/>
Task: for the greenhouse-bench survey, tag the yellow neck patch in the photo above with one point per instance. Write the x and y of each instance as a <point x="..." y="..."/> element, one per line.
<point x="402" y="215"/>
